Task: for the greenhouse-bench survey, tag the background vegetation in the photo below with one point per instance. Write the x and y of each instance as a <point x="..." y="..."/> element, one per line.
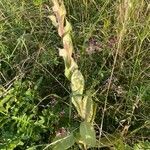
<point x="111" y="40"/>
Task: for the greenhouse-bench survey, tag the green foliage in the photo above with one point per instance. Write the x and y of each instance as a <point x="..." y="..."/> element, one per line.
<point x="64" y="142"/>
<point x="142" y="146"/>
<point x="84" y="106"/>
<point x="87" y="133"/>
<point x="111" y="44"/>
<point x="18" y="109"/>
<point x="37" y="2"/>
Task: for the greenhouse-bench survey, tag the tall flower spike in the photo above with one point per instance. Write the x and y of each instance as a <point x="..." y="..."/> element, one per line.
<point x="84" y="105"/>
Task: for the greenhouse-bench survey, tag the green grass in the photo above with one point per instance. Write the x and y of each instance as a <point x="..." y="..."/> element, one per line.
<point x="34" y="93"/>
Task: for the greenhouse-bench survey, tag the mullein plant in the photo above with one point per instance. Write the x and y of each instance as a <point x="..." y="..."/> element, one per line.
<point x="82" y="100"/>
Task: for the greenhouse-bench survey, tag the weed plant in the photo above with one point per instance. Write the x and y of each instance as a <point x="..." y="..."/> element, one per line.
<point x="111" y="47"/>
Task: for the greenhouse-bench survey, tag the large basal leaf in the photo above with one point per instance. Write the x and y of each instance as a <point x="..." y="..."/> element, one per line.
<point x="64" y="142"/>
<point x="87" y="133"/>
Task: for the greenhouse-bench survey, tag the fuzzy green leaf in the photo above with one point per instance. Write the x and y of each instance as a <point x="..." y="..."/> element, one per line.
<point x="77" y="83"/>
<point x="64" y="142"/>
<point x="87" y="108"/>
<point x="77" y="86"/>
<point x="87" y="133"/>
